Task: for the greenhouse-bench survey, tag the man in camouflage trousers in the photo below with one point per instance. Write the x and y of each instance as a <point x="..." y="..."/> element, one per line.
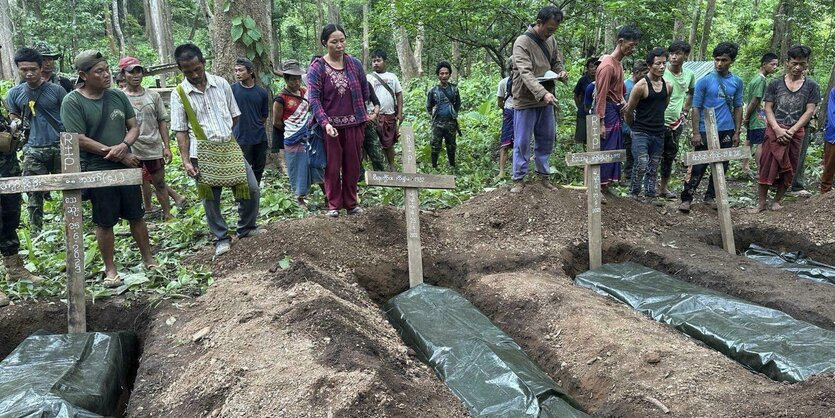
<point x="443" y="102"/>
<point x="37" y="103"/>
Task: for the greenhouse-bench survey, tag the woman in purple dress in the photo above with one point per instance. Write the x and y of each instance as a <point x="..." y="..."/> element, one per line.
<point x="338" y="92"/>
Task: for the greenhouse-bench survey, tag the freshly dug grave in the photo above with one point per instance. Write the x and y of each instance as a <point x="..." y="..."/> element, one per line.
<point x="311" y="340"/>
<point x="298" y="342"/>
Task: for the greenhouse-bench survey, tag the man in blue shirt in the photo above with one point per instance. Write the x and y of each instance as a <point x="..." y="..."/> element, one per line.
<point x="722" y="91"/>
<point x="829" y="145"/>
<point x="37" y="103"/>
<point x="254" y="102"/>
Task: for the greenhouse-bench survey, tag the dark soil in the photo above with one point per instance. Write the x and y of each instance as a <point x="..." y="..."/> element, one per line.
<point x="312" y="340"/>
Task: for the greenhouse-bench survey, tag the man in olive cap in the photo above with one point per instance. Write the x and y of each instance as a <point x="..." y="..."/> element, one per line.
<point x="106" y="125"/>
<point x="48" y="70"/>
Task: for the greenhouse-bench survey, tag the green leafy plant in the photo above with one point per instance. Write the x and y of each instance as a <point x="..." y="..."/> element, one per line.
<point x="245" y="30"/>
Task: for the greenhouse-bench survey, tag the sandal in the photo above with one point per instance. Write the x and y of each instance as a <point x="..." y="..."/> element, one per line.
<point x="111" y="282"/>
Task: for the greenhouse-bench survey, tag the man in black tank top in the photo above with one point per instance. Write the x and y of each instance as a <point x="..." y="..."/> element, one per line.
<point x="645" y="115"/>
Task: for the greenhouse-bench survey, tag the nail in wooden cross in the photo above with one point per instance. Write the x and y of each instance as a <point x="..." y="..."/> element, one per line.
<point x="412" y="182"/>
<point x="592" y="159"/>
<point x="70" y="181"/>
<point x="715" y="156"/>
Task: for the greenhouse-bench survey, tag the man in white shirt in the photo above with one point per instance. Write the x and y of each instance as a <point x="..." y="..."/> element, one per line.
<point x="387" y="88"/>
<point x="216" y="113"/>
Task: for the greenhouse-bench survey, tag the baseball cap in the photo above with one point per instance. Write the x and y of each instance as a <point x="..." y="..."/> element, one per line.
<point x="85" y="60"/>
<point x="129" y="63"/>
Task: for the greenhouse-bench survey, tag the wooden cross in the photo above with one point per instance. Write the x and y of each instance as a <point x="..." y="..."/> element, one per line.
<point x="592" y="159"/>
<point x="70" y="181"/>
<point x="411" y="181"/>
<point x="715" y="156"/>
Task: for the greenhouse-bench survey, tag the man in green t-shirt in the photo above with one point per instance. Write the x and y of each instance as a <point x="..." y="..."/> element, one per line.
<point x="753" y="119"/>
<point x="106" y="125"/>
<point x="681" y="96"/>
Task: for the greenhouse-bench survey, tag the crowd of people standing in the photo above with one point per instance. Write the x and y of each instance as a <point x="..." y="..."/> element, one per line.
<point x="331" y="116"/>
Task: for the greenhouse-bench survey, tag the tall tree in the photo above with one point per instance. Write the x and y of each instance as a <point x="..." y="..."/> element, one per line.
<point x="711" y="8"/>
<point x="233" y="33"/>
<point x="333" y="13"/>
<point x="365" y="46"/>
<point x="158" y="21"/>
<point x="694" y="25"/>
<point x="117" y="26"/>
<point x="7" y="70"/>
<point x="405" y="55"/>
<point x="781" y="35"/>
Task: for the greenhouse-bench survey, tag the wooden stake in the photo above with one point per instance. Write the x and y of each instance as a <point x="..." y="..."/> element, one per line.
<point x="592" y="159"/>
<point x="70" y="181"/>
<point x="412" y="183"/>
<point x="715" y="155"/>
<point x="74" y="238"/>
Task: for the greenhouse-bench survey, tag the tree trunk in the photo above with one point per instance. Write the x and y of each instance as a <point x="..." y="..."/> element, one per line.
<point x="108" y="31"/>
<point x="333" y="13"/>
<point x="159" y="21"/>
<point x="781" y="34"/>
<point x="419" y="48"/>
<point x="711" y="8"/>
<point x="320" y="23"/>
<point x="694" y="26"/>
<point x="7" y="67"/>
<point x="226" y="52"/>
<point x="678" y="29"/>
<point x="124" y="7"/>
<point x="457" y="62"/>
<point x="366" y="59"/>
<point x="149" y="29"/>
<point x="117" y="27"/>
<point x="408" y="66"/>
<point x="609" y="35"/>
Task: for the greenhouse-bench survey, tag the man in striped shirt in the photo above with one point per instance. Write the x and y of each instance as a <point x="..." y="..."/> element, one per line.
<point x="217" y="113"/>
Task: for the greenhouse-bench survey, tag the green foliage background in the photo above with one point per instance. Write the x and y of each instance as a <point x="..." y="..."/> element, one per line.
<point x="482" y="30"/>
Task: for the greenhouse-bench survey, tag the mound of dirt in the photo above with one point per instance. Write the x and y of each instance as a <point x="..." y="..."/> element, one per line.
<point x="311" y="340"/>
<point x="298" y="342"/>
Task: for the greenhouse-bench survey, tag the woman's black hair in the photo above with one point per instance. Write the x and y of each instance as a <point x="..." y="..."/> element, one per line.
<point x="328" y="30"/>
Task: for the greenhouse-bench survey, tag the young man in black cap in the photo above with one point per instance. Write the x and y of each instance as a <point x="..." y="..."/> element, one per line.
<point x="106" y="125"/>
<point x="254" y="103"/>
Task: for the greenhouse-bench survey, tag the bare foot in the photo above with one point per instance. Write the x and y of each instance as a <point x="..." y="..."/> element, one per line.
<point x="775" y="206"/>
<point x="757" y="209"/>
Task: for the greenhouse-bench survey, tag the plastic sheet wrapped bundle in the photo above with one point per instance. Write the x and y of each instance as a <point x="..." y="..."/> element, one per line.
<point x="67" y="375"/>
<point x="793" y="262"/>
<point x="482" y="365"/>
<point x="763" y="339"/>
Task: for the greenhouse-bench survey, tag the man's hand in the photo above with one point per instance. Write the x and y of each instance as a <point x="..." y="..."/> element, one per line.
<point x="166" y="155"/>
<point x="781" y="135"/>
<point x="549" y="99"/>
<point x="191" y="170"/>
<point x="696" y="139"/>
<point x="562" y="75"/>
<point x="400" y="118"/>
<point x="116" y="152"/>
<point x="735" y="138"/>
<point x="331" y="131"/>
<point x="131" y="161"/>
<point x="15" y="125"/>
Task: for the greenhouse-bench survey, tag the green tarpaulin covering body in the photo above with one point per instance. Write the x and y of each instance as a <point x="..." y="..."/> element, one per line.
<point x="763" y="339"/>
<point x="67" y="375"/>
<point x="482" y="365"/>
<point x="793" y="262"/>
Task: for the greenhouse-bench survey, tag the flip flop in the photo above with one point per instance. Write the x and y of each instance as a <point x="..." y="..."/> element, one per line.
<point x="111" y="282"/>
<point x="151" y="267"/>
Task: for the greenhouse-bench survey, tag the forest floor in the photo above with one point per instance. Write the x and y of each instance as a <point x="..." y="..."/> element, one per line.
<point x="312" y="340"/>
